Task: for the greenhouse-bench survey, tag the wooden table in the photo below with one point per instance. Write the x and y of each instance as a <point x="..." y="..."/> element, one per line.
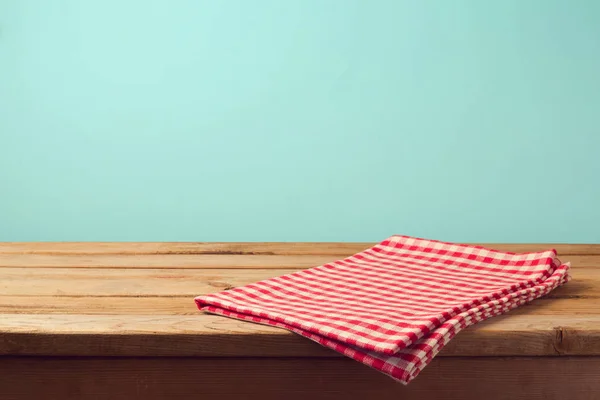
<point x="118" y="321"/>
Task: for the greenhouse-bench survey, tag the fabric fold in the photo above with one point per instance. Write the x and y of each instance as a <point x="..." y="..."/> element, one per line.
<point x="395" y="305"/>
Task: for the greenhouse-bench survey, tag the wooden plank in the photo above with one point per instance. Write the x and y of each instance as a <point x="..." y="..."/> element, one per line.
<point x="558" y="378"/>
<point x="213" y="336"/>
<point x="247" y="248"/>
<point x="162" y="261"/>
<point x="186" y="282"/>
<point x="558" y="306"/>
<point x="86" y="305"/>
<point x="104" y="305"/>
<point x="198" y="261"/>
<point x="242" y="248"/>
<point x="148" y="335"/>
<point x="126" y="282"/>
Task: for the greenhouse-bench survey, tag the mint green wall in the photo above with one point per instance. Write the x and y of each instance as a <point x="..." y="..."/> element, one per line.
<point x="310" y="120"/>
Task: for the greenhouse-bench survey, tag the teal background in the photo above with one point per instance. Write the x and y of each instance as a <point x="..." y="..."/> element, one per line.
<point x="299" y="120"/>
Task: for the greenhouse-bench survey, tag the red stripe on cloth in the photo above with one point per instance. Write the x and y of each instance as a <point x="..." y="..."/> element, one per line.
<point x="394" y="306"/>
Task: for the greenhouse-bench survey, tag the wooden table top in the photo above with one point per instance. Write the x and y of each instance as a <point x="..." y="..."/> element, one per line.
<point x="136" y="299"/>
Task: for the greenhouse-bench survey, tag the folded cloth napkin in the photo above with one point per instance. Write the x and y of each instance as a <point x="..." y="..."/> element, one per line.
<point x="395" y="305"/>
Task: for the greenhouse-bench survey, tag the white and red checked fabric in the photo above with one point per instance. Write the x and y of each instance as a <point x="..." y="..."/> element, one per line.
<point x="395" y="305"/>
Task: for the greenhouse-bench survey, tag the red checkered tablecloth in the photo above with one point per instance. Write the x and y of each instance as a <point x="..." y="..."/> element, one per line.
<point x="395" y="305"/>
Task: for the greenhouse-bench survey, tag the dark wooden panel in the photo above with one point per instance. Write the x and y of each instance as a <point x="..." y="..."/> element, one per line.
<point x="556" y="378"/>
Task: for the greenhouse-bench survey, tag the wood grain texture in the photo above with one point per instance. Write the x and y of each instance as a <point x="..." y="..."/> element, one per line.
<point x="214" y="336"/>
<point x="200" y="261"/>
<point x="138" y="282"/>
<point x="248" y="248"/>
<point x="573" y="378"/>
